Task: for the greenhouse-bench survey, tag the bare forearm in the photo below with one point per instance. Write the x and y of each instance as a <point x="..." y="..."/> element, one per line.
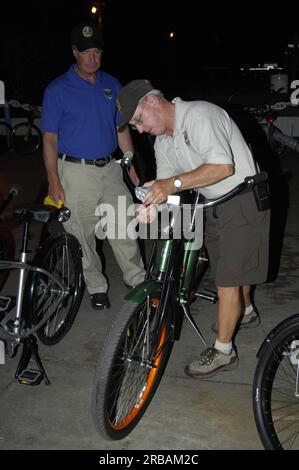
<point x="205" y="175"/>
<point x="55" y="189"/>
<point x="202" y="176"/>
<point x="125" y="141"/>
<point x="50" y="156"/>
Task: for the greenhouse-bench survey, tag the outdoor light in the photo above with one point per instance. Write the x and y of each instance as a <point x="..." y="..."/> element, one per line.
<point x="96" y="10"/>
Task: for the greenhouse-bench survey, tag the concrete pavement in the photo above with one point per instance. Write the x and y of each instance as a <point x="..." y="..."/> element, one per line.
<point x="185" y="413"/>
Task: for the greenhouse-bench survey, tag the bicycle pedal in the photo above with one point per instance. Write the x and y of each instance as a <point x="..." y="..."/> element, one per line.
<point x="30" y="377"/>
<point x="208" y="295"/>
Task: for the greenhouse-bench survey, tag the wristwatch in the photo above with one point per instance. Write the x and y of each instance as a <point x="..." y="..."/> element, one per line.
<point x="178" y="184"/>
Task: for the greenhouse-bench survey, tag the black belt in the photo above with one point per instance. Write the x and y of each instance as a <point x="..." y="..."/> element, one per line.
<point x="97" y="162"/>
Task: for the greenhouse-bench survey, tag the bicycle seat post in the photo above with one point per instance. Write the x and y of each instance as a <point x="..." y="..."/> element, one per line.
<point x="21" y="284"/>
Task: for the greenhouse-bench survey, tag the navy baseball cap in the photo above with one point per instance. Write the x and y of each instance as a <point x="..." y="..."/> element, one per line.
<point x="87" y="36"/>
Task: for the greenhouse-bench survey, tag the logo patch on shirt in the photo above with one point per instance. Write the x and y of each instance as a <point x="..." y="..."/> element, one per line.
<point x="108" y="93"/>
<point x="186" y="138"/>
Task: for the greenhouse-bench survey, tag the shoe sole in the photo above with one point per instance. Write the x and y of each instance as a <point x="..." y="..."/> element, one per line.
<point x="194" y="375"/>
<point x="104" y="307"/>
<point x="101" y="308"/>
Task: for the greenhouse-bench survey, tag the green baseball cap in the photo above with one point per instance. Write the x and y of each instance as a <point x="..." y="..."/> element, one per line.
<point x="129" y="97"/>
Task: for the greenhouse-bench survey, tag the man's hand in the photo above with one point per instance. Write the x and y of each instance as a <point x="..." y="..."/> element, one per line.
<point x="56" y="191"/>
<point x="159" y="191"/>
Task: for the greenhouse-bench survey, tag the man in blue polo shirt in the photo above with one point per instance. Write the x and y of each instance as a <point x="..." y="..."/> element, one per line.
<point x="79" y="124"/>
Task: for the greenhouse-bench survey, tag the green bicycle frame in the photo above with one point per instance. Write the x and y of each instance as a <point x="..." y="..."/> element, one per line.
<point x="186" y="273"/>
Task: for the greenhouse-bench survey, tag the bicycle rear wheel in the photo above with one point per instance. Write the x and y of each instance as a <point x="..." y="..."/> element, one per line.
<point x="276" y="388"/>
<point x="61" y="256"/>
<point x="130" y="368"/>
<point x="5" y="137"/>
<point x="26" y="138"/>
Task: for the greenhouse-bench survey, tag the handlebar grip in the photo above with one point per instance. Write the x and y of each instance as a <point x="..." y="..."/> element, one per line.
<point x="258" y="178"/>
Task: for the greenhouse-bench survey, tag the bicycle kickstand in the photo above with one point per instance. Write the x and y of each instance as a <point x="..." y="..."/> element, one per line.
<point x="26" y="375"/>
<point x="190" y="318"/>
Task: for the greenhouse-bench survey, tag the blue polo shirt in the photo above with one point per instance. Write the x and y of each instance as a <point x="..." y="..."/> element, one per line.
<point x="82" y="114"/>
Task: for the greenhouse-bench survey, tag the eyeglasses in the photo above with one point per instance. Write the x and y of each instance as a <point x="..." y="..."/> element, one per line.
<point x="137" y="121"/>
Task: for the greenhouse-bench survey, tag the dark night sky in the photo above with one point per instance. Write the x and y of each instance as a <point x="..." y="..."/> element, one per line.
<point x="34" y="41"/>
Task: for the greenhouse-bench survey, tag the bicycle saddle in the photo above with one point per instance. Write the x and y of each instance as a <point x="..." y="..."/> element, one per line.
<point x="37" y="212"/>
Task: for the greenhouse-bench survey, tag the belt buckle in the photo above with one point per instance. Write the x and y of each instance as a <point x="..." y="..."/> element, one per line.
<point x="102" y="161"/>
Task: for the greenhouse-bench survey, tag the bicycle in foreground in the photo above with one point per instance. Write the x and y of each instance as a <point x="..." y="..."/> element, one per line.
<point x="49" y="293"/>
<point x="139" y="344"/>
<point x="276" y="387"/>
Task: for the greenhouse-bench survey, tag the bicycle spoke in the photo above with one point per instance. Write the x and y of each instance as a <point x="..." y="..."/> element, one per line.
<point x="51" y="302"/>
<point x="280" y="396"/>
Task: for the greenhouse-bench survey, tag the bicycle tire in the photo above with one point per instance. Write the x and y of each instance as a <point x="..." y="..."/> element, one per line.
<point x="60" y="255"/>
<point x="116" y="407"/>
<point x="26" y="138"/>
<point x="275" y="385"/>
<point x="7" y="252"/>
<point x="5" y="137"/>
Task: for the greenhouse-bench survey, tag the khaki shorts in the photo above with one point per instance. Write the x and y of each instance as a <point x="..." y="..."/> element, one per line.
<point x="237" y="240"/>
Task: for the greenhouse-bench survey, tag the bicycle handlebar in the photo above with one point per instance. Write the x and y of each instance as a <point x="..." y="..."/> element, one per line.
<point x="246" y="185"/>
<point x="126" y="164"/>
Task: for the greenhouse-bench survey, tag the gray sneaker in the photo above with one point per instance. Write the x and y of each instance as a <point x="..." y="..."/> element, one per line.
<point x="210" y="362"/>
<point x="247" y="321"/>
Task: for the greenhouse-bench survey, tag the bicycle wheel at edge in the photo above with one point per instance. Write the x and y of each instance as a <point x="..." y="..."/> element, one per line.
<point x="26" y="138"/>
<point x="276" y="388"/>
<point x="125" y="382"/>
<point x="61" y="256"/>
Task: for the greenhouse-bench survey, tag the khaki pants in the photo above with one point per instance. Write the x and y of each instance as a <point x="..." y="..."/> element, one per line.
<point x="86" y="186"/>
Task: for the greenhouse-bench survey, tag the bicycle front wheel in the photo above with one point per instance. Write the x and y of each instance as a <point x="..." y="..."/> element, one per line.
<point x="130" y="368"/>
<point x="276" y="388"/>
<point x="26" y="138"/>
<point x="60" y="256"/>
